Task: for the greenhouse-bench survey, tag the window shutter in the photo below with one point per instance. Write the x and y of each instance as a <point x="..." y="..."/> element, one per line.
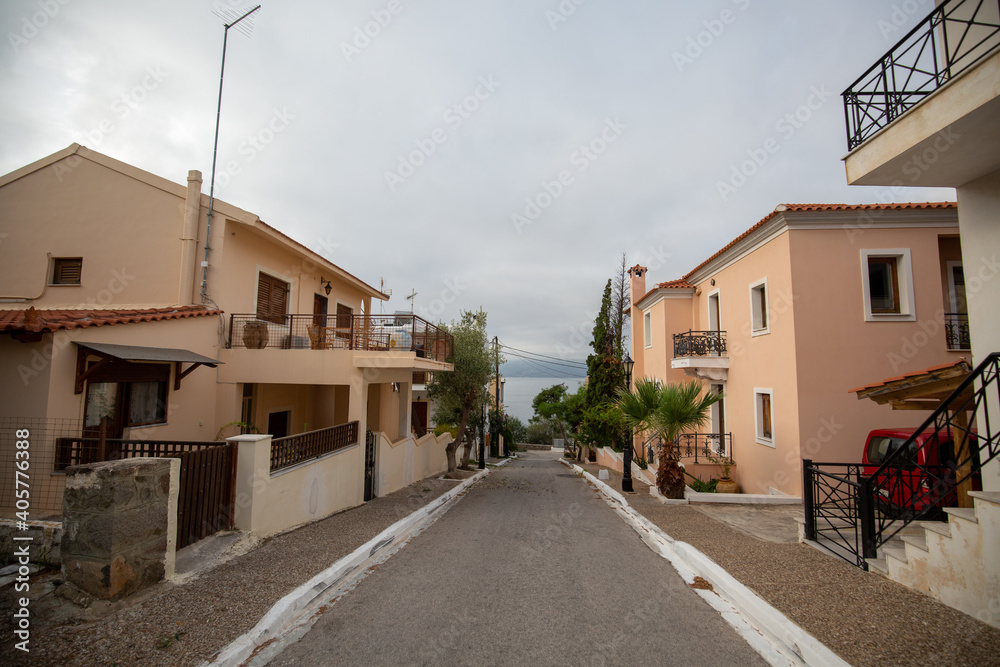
<point x="67" y="271"/>
<point x="272" y="299"/>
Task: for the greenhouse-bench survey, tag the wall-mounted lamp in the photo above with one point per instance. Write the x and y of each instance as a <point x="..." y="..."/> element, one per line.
<point x="325" y="284"/>
<point x="712" y="281"/>
<point x="395" y="387"/>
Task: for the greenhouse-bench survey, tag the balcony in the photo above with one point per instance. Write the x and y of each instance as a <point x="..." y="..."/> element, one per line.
<point x="956" y="331"/>
<point x="385" y="333"/>
<point x="941" y="75"/>
<point x="702" y="354"/>
<point x="710" y="447"/>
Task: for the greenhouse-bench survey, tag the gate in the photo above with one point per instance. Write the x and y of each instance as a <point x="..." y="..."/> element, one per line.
<point x="371" y="440"/>
<point x="205" y="501"/>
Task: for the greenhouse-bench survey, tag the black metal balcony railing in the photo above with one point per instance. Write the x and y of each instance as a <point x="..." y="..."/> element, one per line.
<point x="700" y="344"/>
<point x="295" y="449"/>
<point x="351" y="332"/>
<point x="711" y="447"/>
<point x="951" y="39"/>
<point x="956" y="331"/>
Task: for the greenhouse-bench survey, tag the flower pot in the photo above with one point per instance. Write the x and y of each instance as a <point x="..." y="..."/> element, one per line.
<point x="255" y="335"/>
<point x="727" y="485"/>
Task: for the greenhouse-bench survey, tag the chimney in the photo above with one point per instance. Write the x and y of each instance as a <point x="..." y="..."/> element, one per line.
<point x="189" y="240"/>
<point x="637" y="282"/>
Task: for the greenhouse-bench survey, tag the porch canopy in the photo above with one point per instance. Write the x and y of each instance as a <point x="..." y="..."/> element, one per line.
<point x="927" y="390"/>
<point x="108" y="352"/>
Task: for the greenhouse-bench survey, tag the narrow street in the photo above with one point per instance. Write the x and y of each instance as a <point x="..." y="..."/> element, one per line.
<point x="531" y="567"/>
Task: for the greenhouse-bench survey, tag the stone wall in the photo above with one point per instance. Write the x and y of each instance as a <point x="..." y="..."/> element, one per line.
<point x="119" y="525"/>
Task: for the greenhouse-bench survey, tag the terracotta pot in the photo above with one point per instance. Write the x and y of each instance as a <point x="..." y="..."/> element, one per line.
<point x="255" y="335"/>
<point x="727" y="485"/>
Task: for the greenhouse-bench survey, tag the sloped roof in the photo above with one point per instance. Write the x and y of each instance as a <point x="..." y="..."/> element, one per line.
<point x="44" y="321"/>
<point x="799" y="208"/>
<point x="923" y="389"/>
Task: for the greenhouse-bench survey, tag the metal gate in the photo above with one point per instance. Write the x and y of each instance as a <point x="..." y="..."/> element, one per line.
<point x="371" y="440"/>
<point x="207" y="486"/>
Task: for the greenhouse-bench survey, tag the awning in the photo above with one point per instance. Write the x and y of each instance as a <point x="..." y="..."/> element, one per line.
<point x="109" y="352"/>
<point x="921" y="390"/>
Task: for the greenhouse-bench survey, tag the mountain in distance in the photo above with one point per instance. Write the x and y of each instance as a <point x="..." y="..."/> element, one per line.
<point x="520" y="368"/>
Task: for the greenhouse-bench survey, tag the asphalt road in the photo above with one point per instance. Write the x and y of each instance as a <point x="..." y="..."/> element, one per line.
<point x="531" y="567"/>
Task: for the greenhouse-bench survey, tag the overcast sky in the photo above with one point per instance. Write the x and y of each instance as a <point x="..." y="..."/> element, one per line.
<point x="494" y="153"/>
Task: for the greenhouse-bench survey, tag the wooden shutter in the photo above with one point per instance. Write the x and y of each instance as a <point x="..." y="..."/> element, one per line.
<point x="272" y="299"/>
<point x="67" y="271"/>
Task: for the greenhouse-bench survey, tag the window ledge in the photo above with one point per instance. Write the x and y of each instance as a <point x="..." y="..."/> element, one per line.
<point x="760" y="332"/>
<point x="890" y="317"/>
<point x="767" y="442"/>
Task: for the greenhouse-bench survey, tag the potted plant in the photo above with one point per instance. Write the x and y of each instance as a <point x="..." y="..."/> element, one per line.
<point x="255" y="334"/>
<point x="726" y="483"/>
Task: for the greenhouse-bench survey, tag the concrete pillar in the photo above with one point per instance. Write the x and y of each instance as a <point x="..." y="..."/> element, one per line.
<point x="979" y="226"/>
<point x="253" y="473"/>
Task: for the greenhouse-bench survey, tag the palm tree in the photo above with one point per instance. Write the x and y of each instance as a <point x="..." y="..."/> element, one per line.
<point x="668" y="411"/>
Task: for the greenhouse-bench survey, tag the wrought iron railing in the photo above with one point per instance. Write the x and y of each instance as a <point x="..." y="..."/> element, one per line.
<point x="832" y="500"/>
<point x="951" y="39"/>
<point x="71" y="451"/>
<point x="348" y="332"/>
<point x="295" y="449"/>
<point x="711" y="447"/>
<point x="916" y="480"/>
<point x="700" y="344"/>
<point x="956" y="331"/>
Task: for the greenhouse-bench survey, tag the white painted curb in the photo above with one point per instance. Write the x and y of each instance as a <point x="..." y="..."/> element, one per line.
<point x="294" y="609"/>
<point x="785" y="642"/>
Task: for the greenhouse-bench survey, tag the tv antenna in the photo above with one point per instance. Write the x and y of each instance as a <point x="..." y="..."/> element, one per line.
<point x="225" y="14"/>
<point x="410" y="299"/>
<point x="381" y="288"/>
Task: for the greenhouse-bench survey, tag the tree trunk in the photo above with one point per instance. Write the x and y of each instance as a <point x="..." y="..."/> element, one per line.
<point x="463" y="427"/>
<point x="669" y="476"/>
<point x="449" y="452"/>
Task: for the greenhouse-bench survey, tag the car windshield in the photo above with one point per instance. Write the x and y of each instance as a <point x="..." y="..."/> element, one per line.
<point x="880" y="447"/>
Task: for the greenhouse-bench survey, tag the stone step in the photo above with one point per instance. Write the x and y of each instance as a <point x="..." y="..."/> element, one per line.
<point x="894" y="552"/>
<point x="918" y="540"/>
<point x="966" y="513"/>
<point x="877" y="565"/>
<point x="939" y="527"/>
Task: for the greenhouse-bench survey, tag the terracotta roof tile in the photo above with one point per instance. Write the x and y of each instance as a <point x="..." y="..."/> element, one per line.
<point x="676" y="284"/>
<point x="781" y="208"/>
<point x="55" y="320"/>
<point x="899" y="378"/>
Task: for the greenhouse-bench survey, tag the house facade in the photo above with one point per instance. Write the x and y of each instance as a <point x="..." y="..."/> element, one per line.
<point x="927" y="113"/>
<point x="785" y="319"/>
<point x="115" y="317"/>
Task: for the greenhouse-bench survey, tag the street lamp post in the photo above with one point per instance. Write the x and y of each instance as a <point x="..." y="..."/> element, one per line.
<point x="627" y="465"/>
<point x="482" y="442"/>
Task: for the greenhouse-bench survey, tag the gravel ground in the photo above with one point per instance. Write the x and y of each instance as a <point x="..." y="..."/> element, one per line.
<point x="189" y="623"/>
<point x="864" y="617"/>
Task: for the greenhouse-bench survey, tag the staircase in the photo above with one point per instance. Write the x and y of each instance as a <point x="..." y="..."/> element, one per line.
<point x="956" y="561"/>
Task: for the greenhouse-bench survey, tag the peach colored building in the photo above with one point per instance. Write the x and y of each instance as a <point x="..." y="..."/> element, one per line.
<point x="802" y="307"/>
<point x="111" y="306"/>
<point x="927" y="114"/>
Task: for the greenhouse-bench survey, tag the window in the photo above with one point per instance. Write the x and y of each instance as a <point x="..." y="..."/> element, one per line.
<point x="883" y="284"/>
<point x="272" y="299"/>
<point x="66" y="270"/>
<point x="647" y="329"/>
<point x="128" y="395"/>
<point x="887" y="281"/>
<point x="764" y="416"/>
<point x="760" y="323"/>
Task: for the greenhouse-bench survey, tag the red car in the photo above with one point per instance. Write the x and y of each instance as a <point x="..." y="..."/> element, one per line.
<point x="926" y="485"/>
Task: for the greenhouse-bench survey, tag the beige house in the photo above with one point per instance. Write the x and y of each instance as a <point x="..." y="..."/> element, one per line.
<point x="927" y="113"/>
<point x="792" y="314"/>
<point x="115" y="315"/>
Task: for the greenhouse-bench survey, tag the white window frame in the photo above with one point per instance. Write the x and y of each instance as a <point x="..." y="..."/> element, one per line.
<point x="904" y="277"/>
<point x="754" y="315"/>
<point x="647" y="328"/>
<point x="758" y="405"/>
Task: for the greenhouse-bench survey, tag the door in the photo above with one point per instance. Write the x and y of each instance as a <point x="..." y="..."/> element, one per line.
<point x="320" y="305"/>
<point x="371" y="440"/>
<point x="715" y="325"/>
<point x="418" y="418"/>
<point x="277" y="423"/>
